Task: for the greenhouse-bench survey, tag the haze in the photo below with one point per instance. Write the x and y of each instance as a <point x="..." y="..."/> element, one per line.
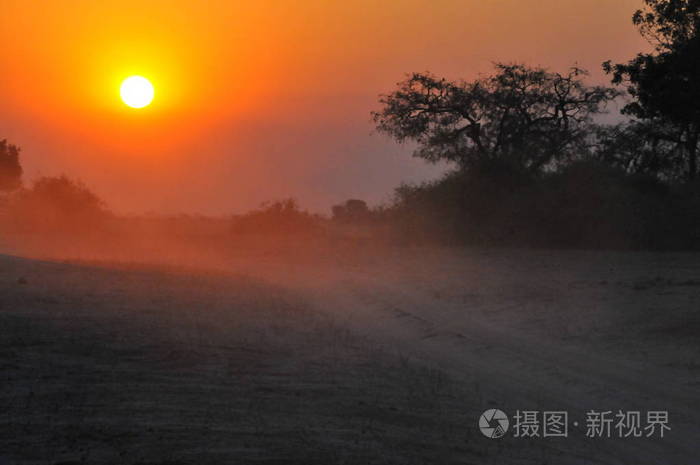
<point x="259" y="100"/>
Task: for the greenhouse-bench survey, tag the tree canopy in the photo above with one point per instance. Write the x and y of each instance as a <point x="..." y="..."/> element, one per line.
<point x="527" y="117"/>
<point x="664" y="84"/>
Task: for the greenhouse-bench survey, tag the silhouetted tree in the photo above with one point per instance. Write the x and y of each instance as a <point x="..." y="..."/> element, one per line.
<point x="57" y="203"/>
<point x="527" y="118"/>
<point x="635" y="147"/>
<point x="351" y="210"/>
<point x="10" y="168"/>
<point x="665" y="84"/>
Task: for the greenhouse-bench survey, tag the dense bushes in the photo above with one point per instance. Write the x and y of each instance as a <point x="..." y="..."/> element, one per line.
<point x="55" y="204"/>
<point x="586" y="204"/>
<point x="281" y="217"/>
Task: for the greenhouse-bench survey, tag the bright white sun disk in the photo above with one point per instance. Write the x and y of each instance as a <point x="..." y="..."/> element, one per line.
<point x="136" y="91"/>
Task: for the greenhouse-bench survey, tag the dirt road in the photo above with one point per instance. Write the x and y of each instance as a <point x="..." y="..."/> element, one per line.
<point x="540" y="330"/>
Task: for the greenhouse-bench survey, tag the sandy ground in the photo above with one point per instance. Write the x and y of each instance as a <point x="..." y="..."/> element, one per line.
<point x="539" y="330"/>
<point x="359" y="358"/>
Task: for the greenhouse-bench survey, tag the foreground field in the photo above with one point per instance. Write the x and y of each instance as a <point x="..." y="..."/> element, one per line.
<point x="353" y="359"/>
<point x="536" y="330"/>
<point x="140" y="366"/>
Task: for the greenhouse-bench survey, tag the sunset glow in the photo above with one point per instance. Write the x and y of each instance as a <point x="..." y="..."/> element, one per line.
<point x="258" y="100"/>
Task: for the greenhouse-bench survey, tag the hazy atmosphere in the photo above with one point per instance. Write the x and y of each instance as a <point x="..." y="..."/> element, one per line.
<point x="350" y="233"/>
<point x="260" y="100"/>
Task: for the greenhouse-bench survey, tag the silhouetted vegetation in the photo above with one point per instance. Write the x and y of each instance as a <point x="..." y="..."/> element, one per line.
<point x="665" y="85"/>
<point x="10" y="168"/>
<point x="526" y="118"/>
<point x="532" y="163"/>
<point x="586" y="204"/>
<point x="56" y="204"/>
<point x="534" y="167"/>
<point x="351" y="211"/>
<point x="283" y="217"/>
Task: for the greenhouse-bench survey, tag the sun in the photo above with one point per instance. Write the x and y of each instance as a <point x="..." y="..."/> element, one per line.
<point x="136" y="91"/>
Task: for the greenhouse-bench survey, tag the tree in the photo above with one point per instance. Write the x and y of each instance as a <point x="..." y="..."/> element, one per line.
<point x="665" y="84"/>
<point x="527" y="118"/>
<point x="636" y="148"/>
<point x="10" y="168"/>
<point x="57" y="204"/>
<point x="351" y="210"/>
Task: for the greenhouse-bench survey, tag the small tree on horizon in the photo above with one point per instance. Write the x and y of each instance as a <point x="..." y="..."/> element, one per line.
<point x="10" y="168"/>
<point x="351" y="210"/>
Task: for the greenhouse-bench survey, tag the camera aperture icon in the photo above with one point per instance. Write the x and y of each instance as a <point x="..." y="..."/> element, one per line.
<point x="493" y="423"/>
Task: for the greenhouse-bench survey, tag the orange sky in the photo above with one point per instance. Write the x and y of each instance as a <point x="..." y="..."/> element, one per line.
<point x="259" y="100"/>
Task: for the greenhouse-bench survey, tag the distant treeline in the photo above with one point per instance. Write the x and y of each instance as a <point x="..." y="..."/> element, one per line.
<point x="532" y="165"/>
<point x="584" y="205"/>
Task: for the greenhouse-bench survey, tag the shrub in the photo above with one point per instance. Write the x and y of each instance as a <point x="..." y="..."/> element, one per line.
<point x="279" y="217"/>
<point x="57" y="203"/>
<point x="10" y="168"/>
<point x="585" y="204"/>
